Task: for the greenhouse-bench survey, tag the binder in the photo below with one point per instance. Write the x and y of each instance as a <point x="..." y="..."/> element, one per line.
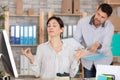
<point x="74" y="29"/>
<point x="65" y="32"/>
<point x="94" y="56"/>
<point x="70" y="34"/>
<point x="17" y="34"/>
<point x="34" y="35"/>
<point x="67" y="6"/>
<point x="30" y="11"/>
<point x="26" y="35"/>
<point x="76" y="6"/>
<point x="30" y="33"/>
<point x="19" y="7"/>
<point x="21" y="34"/>
<point x="12" y="34"/>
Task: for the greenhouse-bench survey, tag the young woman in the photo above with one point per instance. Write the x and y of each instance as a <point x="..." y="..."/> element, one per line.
<point x="54" y="56"/>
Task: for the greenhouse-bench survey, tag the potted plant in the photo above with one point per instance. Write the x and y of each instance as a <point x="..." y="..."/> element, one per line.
<point x="2" y="16"/>
<point x="1" y="74"/>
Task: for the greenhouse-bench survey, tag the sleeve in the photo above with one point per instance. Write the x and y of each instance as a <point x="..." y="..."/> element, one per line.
<point x="78" y="33"/>
<point x="72" y="43"/>
<point x="107" y="39"/>
<point x="74" y="65"/>
<point x="36" y="66"/>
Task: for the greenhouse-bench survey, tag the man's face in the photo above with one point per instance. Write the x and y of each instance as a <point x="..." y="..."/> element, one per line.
<point x="100" y="18"/>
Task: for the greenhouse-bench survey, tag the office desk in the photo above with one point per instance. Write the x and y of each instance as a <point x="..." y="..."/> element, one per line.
<point x="50" y="79"/>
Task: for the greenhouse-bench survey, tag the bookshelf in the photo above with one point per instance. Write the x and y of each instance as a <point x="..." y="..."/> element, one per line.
<point x="16" y="48"/>
<point x="40" y="30"/>
<point x="69" y="26"/>
<point x="81" y="15"/>
<point x="114" y="4"/>
<point x="114" y="18"/>
<point x="65" y="14"/>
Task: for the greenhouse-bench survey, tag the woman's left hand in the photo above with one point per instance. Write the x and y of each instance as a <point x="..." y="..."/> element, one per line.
<point x="80" y="53"/>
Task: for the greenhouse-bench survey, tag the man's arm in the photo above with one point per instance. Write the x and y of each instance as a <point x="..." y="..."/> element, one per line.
<point x="105" y="45"/>
<point x="78" y="33"/>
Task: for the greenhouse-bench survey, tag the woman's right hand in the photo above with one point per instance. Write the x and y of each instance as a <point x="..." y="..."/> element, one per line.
<point x="28" y="54"/>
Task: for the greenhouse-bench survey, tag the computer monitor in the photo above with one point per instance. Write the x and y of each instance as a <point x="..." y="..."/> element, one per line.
<point x="108" y="69"/>
<point x="7" y="55"/>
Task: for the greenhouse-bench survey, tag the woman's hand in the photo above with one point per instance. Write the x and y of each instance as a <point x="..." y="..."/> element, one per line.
<point x="28" y="54"/>
<point x="80" y="53"/>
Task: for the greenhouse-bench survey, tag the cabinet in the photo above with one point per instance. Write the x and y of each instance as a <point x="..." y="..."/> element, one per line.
<point x="70" y="15"/>
<point x="16" y="49"/>
<point x="40" y="24"/>
<point x="114" y="4"/>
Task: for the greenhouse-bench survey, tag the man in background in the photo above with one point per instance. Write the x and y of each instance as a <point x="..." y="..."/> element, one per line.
<point x="95" y="33"/>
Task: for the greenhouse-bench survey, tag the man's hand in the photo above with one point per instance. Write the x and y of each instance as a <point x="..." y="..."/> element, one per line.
<point x="94" y="47"/>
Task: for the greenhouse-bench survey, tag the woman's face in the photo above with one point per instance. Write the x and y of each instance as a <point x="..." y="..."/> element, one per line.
<point x="53" y="28"/>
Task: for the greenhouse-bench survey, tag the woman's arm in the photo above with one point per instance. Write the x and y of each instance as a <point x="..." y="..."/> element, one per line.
<point x="76" y="61"/>
<point x="34" y="60"/>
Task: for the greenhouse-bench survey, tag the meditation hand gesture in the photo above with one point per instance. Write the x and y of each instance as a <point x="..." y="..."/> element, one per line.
<point x="28" y="54"/>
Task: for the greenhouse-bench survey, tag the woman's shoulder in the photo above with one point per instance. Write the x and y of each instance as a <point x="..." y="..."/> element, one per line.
<point x="42" y="45"/>
<point x="71" y="43"/>
<point x="68" y="47"/>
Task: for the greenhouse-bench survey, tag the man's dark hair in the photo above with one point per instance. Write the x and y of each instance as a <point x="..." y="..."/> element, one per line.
<point x="106" y="8"/>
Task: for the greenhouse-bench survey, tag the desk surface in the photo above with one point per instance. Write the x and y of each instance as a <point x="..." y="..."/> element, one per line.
<point x="49" y="79"/>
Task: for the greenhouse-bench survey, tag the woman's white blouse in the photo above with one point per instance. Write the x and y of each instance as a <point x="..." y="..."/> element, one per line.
<point x="47" y="62"/>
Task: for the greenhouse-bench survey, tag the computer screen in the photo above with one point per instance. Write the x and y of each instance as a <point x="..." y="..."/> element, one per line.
<point x="7" y="55"/>
<point x="108" y="69"/>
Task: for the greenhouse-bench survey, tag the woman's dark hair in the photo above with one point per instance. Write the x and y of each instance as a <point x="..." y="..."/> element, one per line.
<point x="59" y="20"/>
<point x="106" y="8"/>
